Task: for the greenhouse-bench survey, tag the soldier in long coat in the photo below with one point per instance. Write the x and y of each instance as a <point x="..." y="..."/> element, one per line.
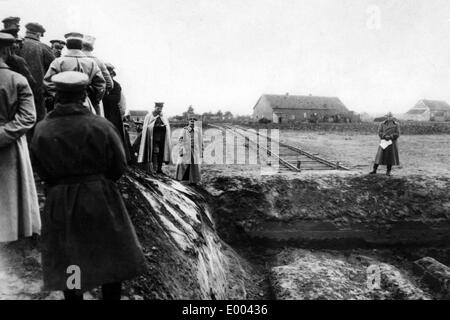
<point x="190" y="153"/>
<point x="18" y="64"/>
<point x="79" y="155"/>
<point x="39" y="57"/>
<point x="155" y="144"/>
<point x="19" y="208"/>
<point x="76" y="60"/>
<point x="389" y="130"/>
<point x="113" y="112"/>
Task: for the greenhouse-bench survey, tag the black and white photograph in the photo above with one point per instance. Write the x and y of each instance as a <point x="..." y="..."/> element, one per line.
<point x="224" y="155"/>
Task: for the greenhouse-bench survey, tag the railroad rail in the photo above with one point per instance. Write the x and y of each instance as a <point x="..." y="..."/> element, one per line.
<point x="291" y="158"/>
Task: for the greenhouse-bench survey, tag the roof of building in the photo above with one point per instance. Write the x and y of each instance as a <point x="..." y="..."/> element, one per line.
<point x="435" y="105"/>
<point x="138" y="113"/>
<point x="304" y="102"/>
<point x="417" y="111"/>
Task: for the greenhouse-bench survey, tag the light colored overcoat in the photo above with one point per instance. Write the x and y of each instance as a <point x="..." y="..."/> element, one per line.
<point x="190" y="155"/>
<point x="19" y="207"/>
<point x="146" y="146"/>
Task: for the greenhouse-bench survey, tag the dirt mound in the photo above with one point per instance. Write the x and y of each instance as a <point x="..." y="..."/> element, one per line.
<point x="307" y="275"/>
<point x="375" y="209"/>
<point x="185" y="257"/>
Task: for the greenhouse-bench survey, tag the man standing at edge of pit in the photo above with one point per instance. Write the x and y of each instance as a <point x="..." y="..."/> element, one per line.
<point x="388" y="131"/>
<point x="85" y="222"/>
<point x="155" y="144"/>
<point x="76" y="60"/>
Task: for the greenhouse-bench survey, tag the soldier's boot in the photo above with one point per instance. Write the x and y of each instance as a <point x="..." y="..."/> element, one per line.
<point x="388" y="171"/>
<point x="374" y="171"/>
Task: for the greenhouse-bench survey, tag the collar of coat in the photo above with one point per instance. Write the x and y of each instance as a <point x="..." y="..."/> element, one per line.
<point x="3" y="65"/>
<point x="75" y="53"/>
<point x="32" y="37"/>
<point x="68" y="109"/>
<point x="88" y="54"/>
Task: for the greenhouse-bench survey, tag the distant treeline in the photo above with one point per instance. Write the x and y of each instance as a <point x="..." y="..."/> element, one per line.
<point x="409" y="128"/>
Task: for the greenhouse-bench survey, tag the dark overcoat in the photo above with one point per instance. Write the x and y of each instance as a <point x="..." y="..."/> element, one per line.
<point x="85" y="222"/>
<point x="111" y="108"/>
<point x="388" y="130"/>
<point x="19" y="65"/>
<point x="38" y="56"/>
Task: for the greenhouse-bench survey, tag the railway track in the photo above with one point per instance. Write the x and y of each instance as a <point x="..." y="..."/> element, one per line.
<point x="290" y="158"/>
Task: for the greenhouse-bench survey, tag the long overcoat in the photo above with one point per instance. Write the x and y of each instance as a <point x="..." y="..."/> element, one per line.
<point x="190" y="155"/>
<point x="85" y="222"/>
<point x="146" y="142"/>
<point x="76" y="60"/>
<point x="19" y="208"/>
<point x="111" y="106"/>
<point x="388" y="130"/>
<point x="38" y="56"/>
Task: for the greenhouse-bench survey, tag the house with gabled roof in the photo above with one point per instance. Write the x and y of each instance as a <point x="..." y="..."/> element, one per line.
<point x="137" y="116"/>
<point x="428" y="110"/>
<point x="285" y="108"/>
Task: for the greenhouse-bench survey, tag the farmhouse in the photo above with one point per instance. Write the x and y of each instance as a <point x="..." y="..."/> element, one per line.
<point x="137" y="115"/>
<point x="284" y="108"/>
<point x="429" y="110"/>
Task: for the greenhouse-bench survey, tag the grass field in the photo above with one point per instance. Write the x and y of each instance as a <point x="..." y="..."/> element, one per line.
<point x="419" y="154"/>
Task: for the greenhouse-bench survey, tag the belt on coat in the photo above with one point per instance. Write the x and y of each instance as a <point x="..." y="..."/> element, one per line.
<point x="76" y="179"/>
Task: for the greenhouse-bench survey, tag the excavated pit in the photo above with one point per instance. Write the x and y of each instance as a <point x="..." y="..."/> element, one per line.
<point x="316" y="238"/>
<point x="279" y="237"/>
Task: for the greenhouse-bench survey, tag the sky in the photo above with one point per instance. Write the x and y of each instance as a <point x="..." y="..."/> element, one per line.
<point x="375" y="55"/>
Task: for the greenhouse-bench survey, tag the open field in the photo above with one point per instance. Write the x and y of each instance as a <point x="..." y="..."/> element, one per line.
<point x="419" y="154"/>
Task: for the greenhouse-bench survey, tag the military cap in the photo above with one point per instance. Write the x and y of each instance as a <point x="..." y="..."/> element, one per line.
<point x="6" y="39"/>
<point x="12" y="31"/>
<point x="159" y="104"/>
<point x="109" y="66"/>
<point x="11" y="22"/>
<point x="58" y="41"/>
<point x="74" y="36"/>
<point x="90" y="40"/>
<point x="70" y="81"/>
<point x="35" y="27"/>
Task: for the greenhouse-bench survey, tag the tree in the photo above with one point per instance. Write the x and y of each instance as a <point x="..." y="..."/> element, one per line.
<point x="189" y="111"/>
<point x="228" y="115"/>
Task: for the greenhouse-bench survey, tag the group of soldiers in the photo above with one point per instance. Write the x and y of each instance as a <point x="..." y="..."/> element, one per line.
<point x="61" y="122"/>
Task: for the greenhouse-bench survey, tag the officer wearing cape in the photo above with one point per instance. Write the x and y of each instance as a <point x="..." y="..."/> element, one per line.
<point x="155" y="146"/>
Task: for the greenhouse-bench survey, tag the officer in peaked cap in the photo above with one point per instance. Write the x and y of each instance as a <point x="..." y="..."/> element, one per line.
<point x="73" y="36"/>
<point x="76" y="60"/>
<point x="38" y="56"/>
<point x="70" y="81"/>
<point x="57" y="47"/>
<point x="155" y="145"/>
<point x="6" y="40"/>
<point x="85" y="222"/>
<point x="17" y="63"/>
<point x="11" y="23"/>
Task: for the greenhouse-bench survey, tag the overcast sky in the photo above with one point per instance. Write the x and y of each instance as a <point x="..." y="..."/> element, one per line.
<point x="374" y="55"/>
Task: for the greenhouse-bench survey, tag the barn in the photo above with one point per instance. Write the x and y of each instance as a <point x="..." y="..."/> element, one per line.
<point x="286" y="108"/>
<point x="429" y="110"/>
